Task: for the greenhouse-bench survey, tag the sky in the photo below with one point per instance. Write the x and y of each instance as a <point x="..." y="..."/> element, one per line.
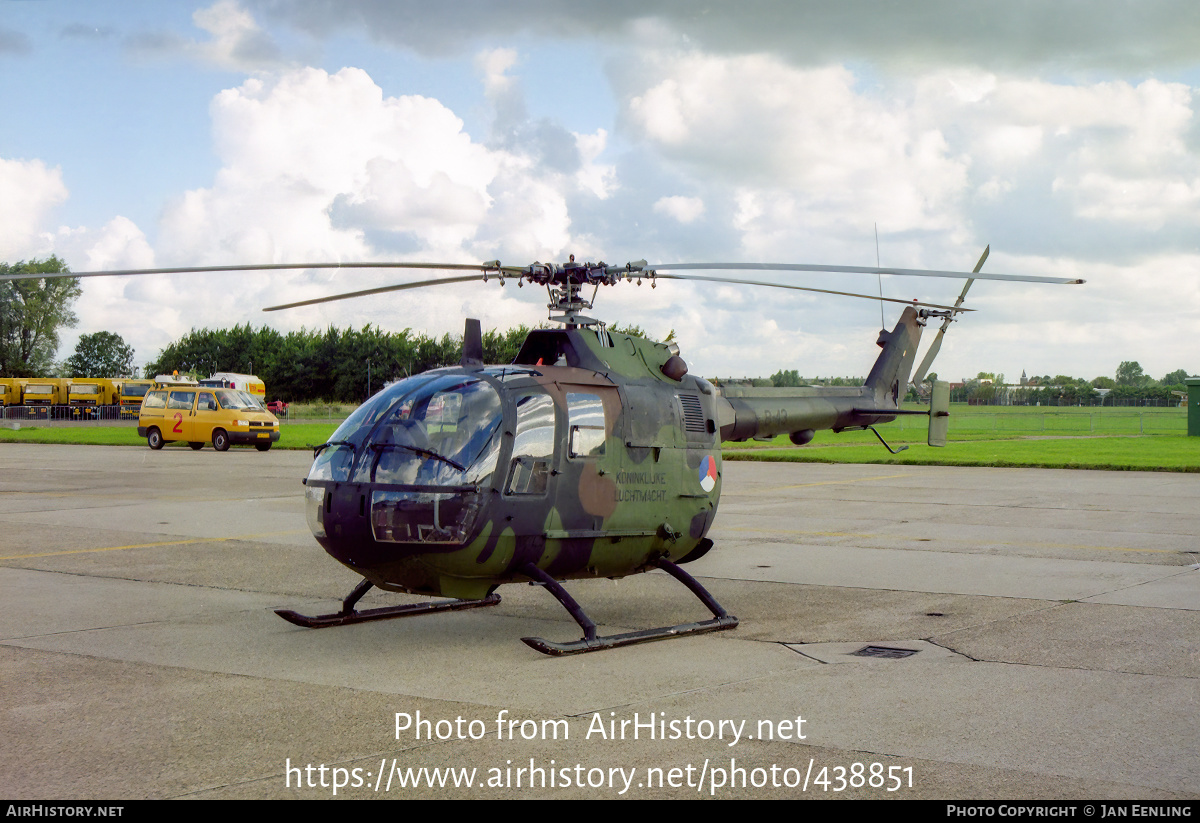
<point x="140" y="133"/>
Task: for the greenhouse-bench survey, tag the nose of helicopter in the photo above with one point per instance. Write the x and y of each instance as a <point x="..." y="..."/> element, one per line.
<point x="365" y="516"/>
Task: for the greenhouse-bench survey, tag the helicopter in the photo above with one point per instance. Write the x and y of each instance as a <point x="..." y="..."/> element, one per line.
<point x="593" y="454"/>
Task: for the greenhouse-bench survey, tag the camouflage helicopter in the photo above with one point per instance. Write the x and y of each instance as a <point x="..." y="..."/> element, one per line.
<point x="592" y="454"/>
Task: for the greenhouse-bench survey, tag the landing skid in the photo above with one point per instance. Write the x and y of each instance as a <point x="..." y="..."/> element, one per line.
<point x="590" y="642"/>
<point x="349" y="615"/>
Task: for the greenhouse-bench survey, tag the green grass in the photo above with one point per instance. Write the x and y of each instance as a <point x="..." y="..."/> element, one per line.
<point x="1149" y="438"/>
<point x="1087" y="438"/>
<point x="320" y="411"/>
<point x="1147" y="453"/>
<point x="973" y="423"/>
<point x="291" y="435"/>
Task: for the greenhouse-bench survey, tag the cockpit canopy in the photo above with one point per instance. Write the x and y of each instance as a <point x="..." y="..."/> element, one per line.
<point x="427" y="430"/>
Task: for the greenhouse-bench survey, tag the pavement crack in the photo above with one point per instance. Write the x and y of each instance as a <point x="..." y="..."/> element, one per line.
<point x="792" y="648"/>
<point x="952" y="650"/>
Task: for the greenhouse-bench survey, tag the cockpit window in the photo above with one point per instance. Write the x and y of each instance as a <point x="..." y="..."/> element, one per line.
<point x="585" y="417"/>
<point x="443" y="411"/>
<point x="439" y="430"/>
<point x="447" y="433"/>
<point x="533" y="446"/>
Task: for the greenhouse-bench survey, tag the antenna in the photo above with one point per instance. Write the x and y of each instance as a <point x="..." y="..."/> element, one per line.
<point x="879" y="277"/>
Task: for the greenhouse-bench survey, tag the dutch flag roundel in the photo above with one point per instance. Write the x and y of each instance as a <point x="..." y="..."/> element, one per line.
<point x="708" y="473"/>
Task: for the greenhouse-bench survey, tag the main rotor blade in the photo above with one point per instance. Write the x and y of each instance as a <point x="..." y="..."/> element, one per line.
<point x="806" y="288"/>
<point x="271" y="267"/>
<point x="380" y="290"/>
<point x="1024" y="278"/>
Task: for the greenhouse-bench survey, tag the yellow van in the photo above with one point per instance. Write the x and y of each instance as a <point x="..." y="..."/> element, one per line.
<point x="198" y="415"/>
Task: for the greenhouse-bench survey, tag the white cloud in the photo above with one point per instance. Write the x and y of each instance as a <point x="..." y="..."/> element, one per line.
<point x="677" y="207"/>
<point x="1113" y="151"/>
<point x="530" y="219"/>
<point x="598" y="178"/>
<point x="1008" y="144"/>
<point x="807" y="140"/>
<point x="29" y="191"/>
<point x="236" y="42"/>
<point x="324" y="167"/>
<point x="119" y="245"/>
<point x="995" y="187"/>
<point x="311" y="161"/>
<point x="494" y="65"/>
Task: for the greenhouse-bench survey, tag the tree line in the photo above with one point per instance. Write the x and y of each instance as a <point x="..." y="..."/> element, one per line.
<point x="788" y="378"/>
<point x="1130" y="386"/>
<point x="334" y="365"/>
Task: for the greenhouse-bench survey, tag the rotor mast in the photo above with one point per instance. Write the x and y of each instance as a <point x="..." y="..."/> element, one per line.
<point x="565" y="283"/>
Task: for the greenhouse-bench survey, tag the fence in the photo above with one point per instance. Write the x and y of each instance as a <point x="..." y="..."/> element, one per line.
<point x="1059" y="423"/>
<point x="71" y="415"/>
<point x="115" y="416"/>
<point x="1072" y="403"/>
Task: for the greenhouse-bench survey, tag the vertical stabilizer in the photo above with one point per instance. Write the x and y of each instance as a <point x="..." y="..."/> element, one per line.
<point x="889" y="376"/>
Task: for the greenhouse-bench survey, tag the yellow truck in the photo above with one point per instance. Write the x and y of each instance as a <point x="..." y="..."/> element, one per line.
<point x="39" y="396"/>
<point x="89" y="396"/>
<point x="10" y="391"/>
<point x="130" y="393"/>
<point x="41" y="391"/>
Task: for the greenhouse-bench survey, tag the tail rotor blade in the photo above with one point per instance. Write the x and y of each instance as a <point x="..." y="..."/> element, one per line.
<point x="936" y="345"/>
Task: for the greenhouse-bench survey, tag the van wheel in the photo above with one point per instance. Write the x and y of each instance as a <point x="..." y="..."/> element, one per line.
<point x="154" y="439"/>
<point x="262" y="447"/>
<point x="196" y="446"/>
<point x="220" y="440"/>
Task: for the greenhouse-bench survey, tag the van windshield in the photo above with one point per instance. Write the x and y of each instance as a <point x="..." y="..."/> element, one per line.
<point x="232" y="399"/>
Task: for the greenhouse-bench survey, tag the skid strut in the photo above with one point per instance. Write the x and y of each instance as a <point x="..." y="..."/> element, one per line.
<point x="348" y="614"/>
<point x="590" y="642"/>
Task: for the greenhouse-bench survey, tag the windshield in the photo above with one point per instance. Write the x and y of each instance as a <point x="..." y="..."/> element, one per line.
<point x="232" y="399"/>
<point x="431" y="430"/>
<point x="131" y="390"/>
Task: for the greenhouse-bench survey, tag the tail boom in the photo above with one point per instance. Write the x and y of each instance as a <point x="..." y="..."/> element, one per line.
<point x="763" y="413"/>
